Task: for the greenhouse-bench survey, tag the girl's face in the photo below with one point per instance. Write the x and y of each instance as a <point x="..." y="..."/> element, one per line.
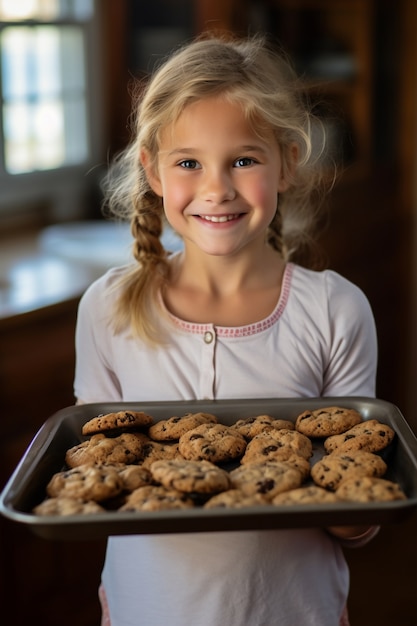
<point x="218" y="179"/>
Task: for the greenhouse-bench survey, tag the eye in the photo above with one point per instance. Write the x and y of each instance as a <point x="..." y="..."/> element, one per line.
<point x="244" y="162"/>
<point x="189" y="164"/>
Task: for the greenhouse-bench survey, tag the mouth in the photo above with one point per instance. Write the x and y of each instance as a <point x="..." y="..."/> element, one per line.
<point x="220" y="219"/>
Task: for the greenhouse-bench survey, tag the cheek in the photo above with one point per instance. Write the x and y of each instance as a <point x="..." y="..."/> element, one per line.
<point x="173" y="191"/>
<point x="175" y="198"/>
<point x="264" y="195"/>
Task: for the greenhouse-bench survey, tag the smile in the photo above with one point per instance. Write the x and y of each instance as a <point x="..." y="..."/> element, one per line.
<point x="219" y="218"/>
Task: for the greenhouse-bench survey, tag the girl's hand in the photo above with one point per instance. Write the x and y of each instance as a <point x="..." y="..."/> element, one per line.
<point x="353" y="536"/>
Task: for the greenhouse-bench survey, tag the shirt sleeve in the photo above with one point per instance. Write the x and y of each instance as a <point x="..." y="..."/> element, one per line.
<point x="352" y="359"/>
<point x="94" y="377"/>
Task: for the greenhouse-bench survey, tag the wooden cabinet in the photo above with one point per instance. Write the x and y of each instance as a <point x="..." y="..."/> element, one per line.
<point x="331" y="43"/>
<point x="41" y="582"/>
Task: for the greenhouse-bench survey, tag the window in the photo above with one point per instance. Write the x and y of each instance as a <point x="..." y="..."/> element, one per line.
<point x="46" y="124"/>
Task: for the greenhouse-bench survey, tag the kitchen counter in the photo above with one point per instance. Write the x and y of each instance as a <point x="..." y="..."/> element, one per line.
<point x="50" y="267"/>
<point x="34" y="278"/>
<point x="40" y="282"/>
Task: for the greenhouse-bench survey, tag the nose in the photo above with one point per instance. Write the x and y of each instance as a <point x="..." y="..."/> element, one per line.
<point x="217" y="186"/>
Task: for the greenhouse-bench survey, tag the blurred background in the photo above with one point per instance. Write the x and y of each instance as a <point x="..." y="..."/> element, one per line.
<point x="66" y="74"/>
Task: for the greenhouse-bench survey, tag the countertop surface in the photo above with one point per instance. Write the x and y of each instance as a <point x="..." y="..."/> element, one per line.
<point x="49" y="267"/>
<point x="32" y="279"/>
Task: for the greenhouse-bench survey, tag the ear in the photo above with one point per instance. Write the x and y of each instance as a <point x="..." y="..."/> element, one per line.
<point x="151" y="172"/>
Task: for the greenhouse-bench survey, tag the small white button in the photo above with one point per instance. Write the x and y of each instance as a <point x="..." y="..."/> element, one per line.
<point x="208" y="336"/>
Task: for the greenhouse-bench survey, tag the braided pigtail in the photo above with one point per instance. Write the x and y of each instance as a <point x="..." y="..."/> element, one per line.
<point x="135" y="308"/>
<point x="146" y="226"/>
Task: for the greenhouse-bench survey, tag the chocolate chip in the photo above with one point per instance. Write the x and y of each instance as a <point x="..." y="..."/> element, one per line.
<point x="266" y="485"/>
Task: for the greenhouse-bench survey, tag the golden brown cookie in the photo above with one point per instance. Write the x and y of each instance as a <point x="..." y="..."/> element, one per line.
<point x="121" y="421"/>
<point x="300" y="463"/>
<point x="267" y="479"/>
<point x="327" y="421"/>
<point x="172" y="428"/>
<point x="277" y="445"/>
<point x="370" y="489"/>
<point x="156" y="498"/>
<point x="86" y="482"/>
<point x="370" y="435"/>
<point x="133" y="476"/>
<point x="235" y="499"/>
<point x="249" y="427"/>
<point x="334" y="468"/>
<point x="309" y="494"/>
<point x="212" y="442"/>
<point x="191" y="476"/>
<point x="126" y="448"/>
<point x="64" y="505"/>
<point x="156" y="451"/>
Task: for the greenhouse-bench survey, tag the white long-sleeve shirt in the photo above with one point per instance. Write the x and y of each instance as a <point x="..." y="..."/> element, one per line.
<point x="320" y="340"/>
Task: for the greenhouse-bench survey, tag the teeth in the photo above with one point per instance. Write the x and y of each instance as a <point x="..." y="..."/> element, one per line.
<point x="219" y="218"/>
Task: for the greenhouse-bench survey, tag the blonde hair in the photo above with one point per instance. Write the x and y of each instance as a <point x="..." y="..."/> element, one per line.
<point x="246" y="71"/>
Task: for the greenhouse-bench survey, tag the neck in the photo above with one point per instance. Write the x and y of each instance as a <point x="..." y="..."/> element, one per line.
<point x="224" y="291"/>
<point x="223" y="276"/>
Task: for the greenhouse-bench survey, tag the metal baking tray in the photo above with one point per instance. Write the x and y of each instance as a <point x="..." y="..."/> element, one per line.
<point x="45" y="456"/>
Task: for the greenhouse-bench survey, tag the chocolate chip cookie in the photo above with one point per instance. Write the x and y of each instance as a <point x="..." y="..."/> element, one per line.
<point x="126" y="448"/>
<point x="212" y="442"/>
<point x="200" y="477"/>
<point x="308" y="494"/>
<point x="370" y="489"/>
<point x="86" y="482"/>
<point x="235" y="499"/>
<point x="300" y="463"/>
<point x="249" y="427"/>
<point x="277" y="445"/>
<point x="133" y="476"/>
<point x="156" y="498"/>
<point x="67" y="506"/>
<point x="327" y="421"/>
<point x="334" y="468"/>
<point x="267" y="479"/>
<point x="172" y="428"/>
<point x="157" y="451"/>
<point x="118" y="422"/>
<point x="370" y="435"/>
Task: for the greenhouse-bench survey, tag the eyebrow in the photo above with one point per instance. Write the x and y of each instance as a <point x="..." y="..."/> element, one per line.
<point x="191" y="150"/>
<point x="177" y="151"/>
<point x="252" y="148"/>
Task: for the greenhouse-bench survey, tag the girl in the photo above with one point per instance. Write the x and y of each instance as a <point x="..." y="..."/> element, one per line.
<point x="224" y="152"/>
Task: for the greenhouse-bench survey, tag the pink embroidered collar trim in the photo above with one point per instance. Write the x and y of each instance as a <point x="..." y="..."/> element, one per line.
<point x="250" y="329"/>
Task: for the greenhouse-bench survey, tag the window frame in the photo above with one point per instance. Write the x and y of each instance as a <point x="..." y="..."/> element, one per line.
<point x="62" y="191"/>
